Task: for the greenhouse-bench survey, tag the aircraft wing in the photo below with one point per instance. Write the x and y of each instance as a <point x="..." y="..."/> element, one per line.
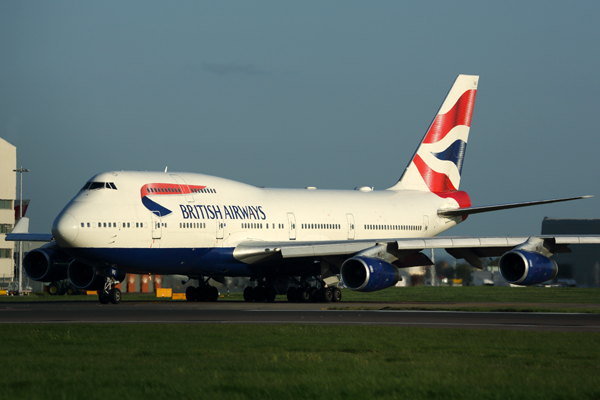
<point x="469" y="248"/>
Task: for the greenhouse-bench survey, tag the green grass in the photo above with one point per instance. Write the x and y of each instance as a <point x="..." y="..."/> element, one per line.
<point x="294" y="361"/>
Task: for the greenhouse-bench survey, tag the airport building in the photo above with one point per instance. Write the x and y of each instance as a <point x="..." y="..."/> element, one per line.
<point x="581" y="267"/>
<point x="8" y="185"/>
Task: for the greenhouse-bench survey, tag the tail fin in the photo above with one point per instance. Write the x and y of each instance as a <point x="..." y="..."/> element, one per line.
<point x="437" y="163"/>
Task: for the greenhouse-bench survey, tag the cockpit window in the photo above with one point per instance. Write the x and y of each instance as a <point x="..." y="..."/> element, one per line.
<point x="99" y="185"/>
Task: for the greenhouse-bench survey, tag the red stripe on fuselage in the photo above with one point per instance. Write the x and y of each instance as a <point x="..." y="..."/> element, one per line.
<point x="168" y="188"/>
<point x="460" y="114"/>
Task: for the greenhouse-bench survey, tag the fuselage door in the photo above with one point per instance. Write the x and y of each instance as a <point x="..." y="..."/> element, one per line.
<point x="156" y="225"/>
<point x="425" y="225"/>
<point x="220" y="228"/>
<point x="292" y="225"/>
<point x="351" y="230"/>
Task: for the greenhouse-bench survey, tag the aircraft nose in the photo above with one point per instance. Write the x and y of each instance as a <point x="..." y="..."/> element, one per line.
<point x="65" y="229"/>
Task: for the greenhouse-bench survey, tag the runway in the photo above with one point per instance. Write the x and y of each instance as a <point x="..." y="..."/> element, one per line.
<point x="231" y="312"/>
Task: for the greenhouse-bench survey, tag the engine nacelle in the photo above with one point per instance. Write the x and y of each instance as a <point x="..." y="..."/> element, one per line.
<point x="46" y="264"/>
<point x="366" y="274"/>
<point x="84" y="276"/>
<point x="526" y="268"/>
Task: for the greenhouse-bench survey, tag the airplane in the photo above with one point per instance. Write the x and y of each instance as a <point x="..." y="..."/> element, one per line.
<point x="205" y="227"/>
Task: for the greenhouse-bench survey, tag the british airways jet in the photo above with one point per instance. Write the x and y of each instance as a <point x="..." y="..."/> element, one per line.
<point x="206" y="227"/>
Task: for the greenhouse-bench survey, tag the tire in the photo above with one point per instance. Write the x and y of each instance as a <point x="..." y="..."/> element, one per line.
<point x="53" y="289"/>
<point x="271" y="293"/>
<point x="201" y="293"/>
<point x="337" y="294"/>
<point x="115" y="295"/>
<point x="327" y="296"/>
<point x="249" y="293"/>
<point x="292" y="294"/>
<point x="190" y="293"/>
<point x="313" y="295"/>
<point x="303" y="295"/>
<point x="212" y="293"/>
<point x="103" y="297"/>
<point x="70" y="291"/>
<point x="260" y="293"/>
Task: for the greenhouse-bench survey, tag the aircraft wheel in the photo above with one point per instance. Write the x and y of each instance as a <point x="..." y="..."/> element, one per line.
<point x="270" y="295"/>
<point x="303" y="295"/>
<point x="53" y="289"/>
<point x="190" y="293"/>
<point x="313" y="295"/>
<point x="337" y="294"/>
<point x="249" y="293"/>
<point x="212" y="293"/>
<point x="115" y="295"/>
<point x="327" y="295"/>
<point x="201" y="294"/>
<point x="260" y="293"/>
<point x="103" y="297"/>
<point x="292" y="294"/>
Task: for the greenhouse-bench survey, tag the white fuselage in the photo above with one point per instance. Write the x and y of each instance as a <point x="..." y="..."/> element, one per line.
<point x="174" y="222"/>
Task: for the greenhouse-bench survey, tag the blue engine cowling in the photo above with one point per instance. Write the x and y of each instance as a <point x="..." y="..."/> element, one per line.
<point x="46" y="264"/>
<point x="87" y="277"/>
<point x="366" y="274"/>
<point x="526" y="268"/>
<point x="84" y="276"/>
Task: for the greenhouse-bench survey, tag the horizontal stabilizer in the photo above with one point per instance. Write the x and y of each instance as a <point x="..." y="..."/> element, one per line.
<point x="482" y="209"/>
<point x="29" y="237"/>
<point x="21" y="233"/>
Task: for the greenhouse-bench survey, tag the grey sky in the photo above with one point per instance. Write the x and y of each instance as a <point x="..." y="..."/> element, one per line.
<point x="294" y="94"/>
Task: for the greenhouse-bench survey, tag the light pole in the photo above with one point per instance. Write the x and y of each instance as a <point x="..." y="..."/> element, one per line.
<point x="20" y="171"/>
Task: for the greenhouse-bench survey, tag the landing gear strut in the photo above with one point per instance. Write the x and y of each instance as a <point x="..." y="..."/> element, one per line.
<point x="110" y="293"/>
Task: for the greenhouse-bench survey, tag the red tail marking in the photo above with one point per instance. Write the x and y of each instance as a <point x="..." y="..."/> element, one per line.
<point x="460" y="114"/>
<point x="435" y="181"/>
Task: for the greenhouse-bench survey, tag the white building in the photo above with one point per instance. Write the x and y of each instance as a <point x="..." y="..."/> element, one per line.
<point x="8" y="184"/>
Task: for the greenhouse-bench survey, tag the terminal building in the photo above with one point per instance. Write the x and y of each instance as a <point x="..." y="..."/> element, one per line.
<point x="8" y="185"/>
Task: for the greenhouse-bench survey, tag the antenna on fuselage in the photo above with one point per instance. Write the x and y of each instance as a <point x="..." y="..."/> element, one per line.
<point x="166" y="168"/>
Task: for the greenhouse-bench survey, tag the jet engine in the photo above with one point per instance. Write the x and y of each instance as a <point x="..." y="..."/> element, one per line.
<point x="366" y="274"/>
<point x="526" y="268"/>
<point x="46" y="264"/>
<point x="84" y="276"/>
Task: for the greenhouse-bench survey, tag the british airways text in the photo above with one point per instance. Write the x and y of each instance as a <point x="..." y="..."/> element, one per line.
<point x="229" y="212"/>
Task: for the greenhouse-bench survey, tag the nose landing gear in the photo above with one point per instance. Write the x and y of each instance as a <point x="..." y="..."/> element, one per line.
<point x="110" y="293"/>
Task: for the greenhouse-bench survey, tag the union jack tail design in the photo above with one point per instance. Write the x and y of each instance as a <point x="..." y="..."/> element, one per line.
<point x="437" y="163"/>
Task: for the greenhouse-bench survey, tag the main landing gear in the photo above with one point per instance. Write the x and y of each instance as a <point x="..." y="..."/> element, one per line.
<point x="302" y="292"/>
<point x="305" y="294"/>
<point x="110" y="293"/>
<point x="204" y="292"/>
<point x="263" y="292"/>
